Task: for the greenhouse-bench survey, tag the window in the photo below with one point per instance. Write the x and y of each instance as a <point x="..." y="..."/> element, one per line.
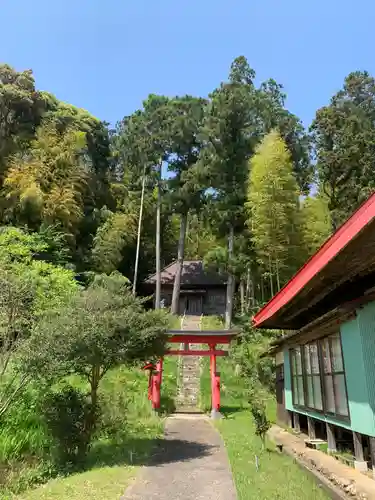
<point x="297" y="377"/>
<point x="312" y="377"/>
<point x="318" y="377"/>
<point x="334" y="376"/>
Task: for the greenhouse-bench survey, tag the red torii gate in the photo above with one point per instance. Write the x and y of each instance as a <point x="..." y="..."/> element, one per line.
<point x="186" y="337"/>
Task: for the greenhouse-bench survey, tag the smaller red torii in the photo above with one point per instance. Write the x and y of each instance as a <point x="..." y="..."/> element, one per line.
<point x="186" y="337"/>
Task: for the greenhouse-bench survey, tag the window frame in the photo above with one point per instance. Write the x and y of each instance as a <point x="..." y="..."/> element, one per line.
<point x="296" y="375"/>
<point x="312" y="375"/>
<point x="334" y="373"/>
<point x="322" y="374"/>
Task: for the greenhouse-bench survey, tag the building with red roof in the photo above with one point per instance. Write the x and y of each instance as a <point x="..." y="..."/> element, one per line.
<point x="325" y="361"/>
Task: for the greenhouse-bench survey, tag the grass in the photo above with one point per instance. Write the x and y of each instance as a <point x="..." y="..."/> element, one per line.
<point x="102" y="484"/>
<point x="175" y="322"/>
<point x="115" y="456"/>
<point x="212" y="323"/>
<point x="278" y="476"/>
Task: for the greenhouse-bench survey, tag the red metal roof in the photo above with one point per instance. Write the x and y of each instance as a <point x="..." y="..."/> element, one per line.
<point x="332" y="247"/>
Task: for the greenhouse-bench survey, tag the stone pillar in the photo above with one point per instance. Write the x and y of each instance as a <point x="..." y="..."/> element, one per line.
<point x="296" y="425"/>
<point x="372" y="451"/>
<point x="359" y="462"/>
<point x="311" y="427"/>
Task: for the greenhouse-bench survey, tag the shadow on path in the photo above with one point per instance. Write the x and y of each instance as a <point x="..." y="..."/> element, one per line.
<point x="189" y="463"/>
<point x="137" y="452"/>
<point x="177" y="450"/>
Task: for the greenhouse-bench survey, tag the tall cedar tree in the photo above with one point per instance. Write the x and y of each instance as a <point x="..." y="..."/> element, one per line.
<point x="344" y="139"/>
<point x="228" y="133"/>
<point x="273" y="210"/>
<point x="185" y="191"/>
<point x="143" y="141"/>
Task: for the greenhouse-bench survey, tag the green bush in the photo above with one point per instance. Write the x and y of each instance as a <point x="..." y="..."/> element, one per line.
<point x="23" y="432"/>
<point x="247" y="352"/>
<point x="262" y="424"/>
<point x="114" y="407"/>
<point x="66" y="413"/>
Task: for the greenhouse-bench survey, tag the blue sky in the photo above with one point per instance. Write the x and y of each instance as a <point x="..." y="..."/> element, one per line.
<point x="108" y="55"/>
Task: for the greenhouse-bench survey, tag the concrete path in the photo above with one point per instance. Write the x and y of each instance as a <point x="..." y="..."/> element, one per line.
<point x="190" y="464"/>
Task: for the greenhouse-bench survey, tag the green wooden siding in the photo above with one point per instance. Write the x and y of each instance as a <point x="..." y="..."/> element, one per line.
<point x="358" y="348"/>
<point x="366" y="327"/>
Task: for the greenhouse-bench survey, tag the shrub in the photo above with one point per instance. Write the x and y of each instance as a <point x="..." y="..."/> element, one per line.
<point x="28" y="288"/>
<point x="113" y="415"/>
<point x="262" y="424"/>
<point x="103" y="327"/>
<point x="66" y="413"/>
<point x="23" y="433"/>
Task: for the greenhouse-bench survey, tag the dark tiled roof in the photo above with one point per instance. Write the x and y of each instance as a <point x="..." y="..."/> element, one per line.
<point x="193" y="273"/>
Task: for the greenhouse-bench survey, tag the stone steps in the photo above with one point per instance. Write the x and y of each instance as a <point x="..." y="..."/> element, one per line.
<point x="189" y="376"/>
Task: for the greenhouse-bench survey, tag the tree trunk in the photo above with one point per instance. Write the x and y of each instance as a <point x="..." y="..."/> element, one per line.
<point x="242" y="294"/>
<point x="252" y="292"/>
<point x="277" y="275"/>
<point x="262" y="287"/>
<point x="180" y="263"/>
<point x="247" y="295"/>
<point x="270" y="271"/>
<point x="230" y="283"/>
<point x="158" y="260"/>
<point x="139" y="233"/>
<point x="91" y="416"/>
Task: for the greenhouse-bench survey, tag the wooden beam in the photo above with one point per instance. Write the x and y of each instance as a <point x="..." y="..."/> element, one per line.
<point x="176" y="352"/>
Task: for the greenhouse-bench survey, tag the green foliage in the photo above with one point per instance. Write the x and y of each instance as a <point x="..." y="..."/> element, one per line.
<point x="343" y="133"/>
<point x="47" y="185"/>
<point x="212" y="323"/>
<point x="38" y="133"/>
<point x="17" y="246"/>
<point x="65" y="413"/>
<point x="22" y="431"/>
<point x="49" y="286"/>
<point x="247" y="353"/>
<point x="28" y="288"/>
<point x="117" y="232"/>
<point x="258" y="411"/>
<point x="185" y="122"/>
<point x="274" y="210"/>
<point x="100" y="328"/>
<point x="21" y="108"/>
<point x="316" y="223"/>
<point x="200" y="237"/>
<point x="227" y="138"/>
<point x="126" y="424"/>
